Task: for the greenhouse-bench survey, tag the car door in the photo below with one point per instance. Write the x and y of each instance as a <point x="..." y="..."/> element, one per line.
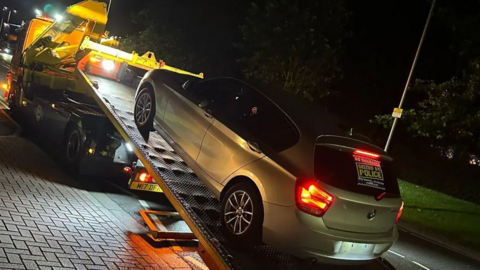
<point x="226" y="147"/>
<point x="247" y="128"/>
<point x="187" y="117"/>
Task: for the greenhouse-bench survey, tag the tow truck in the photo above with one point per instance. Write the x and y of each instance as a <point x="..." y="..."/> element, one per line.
<point x="41" y="85"/>
<point x="56" y="63"/>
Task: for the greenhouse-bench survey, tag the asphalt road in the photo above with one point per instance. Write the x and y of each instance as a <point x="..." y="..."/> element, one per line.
<point x="409" y="252"/>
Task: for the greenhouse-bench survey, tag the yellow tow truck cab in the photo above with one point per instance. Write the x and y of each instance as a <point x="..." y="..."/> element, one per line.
<point x="44" y="84"/>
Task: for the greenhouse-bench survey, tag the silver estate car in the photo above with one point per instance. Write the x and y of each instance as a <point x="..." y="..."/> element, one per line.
<point x="326" y="197"/>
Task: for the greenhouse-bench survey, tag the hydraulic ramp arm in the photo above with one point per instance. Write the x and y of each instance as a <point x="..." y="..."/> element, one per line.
<point x="146" y="61"/>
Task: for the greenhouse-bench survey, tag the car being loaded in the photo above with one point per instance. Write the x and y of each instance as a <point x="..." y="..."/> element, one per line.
<point x="331" y="197"/>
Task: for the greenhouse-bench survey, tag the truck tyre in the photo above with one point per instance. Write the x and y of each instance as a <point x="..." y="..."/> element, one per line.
<point x="13" y="97"/>
<point x="73" y="146"/>
<point x="144" y="111"/>
<point x="242" y="213"/>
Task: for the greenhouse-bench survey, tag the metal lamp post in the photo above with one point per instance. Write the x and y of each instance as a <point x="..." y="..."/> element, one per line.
<point x="3" y="13"/>
<point x="109" y="5"/>
<point x="10" y="13"/>
<point x="395" y="120"/>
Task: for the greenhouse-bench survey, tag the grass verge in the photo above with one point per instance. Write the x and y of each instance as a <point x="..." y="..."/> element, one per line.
<point x="454" y="218"/>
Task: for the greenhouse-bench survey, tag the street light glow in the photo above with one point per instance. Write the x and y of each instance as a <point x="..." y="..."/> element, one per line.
<point x="38" y="12"/>
<point x="58" y="17"/>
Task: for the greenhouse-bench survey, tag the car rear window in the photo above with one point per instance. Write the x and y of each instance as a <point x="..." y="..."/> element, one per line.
<point x="347" y="171"/>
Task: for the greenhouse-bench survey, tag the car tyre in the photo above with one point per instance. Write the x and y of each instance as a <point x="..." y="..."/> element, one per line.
<point x="144" y="111"/>
<point x="242" y="213"/>
<point x="73" y="146"/>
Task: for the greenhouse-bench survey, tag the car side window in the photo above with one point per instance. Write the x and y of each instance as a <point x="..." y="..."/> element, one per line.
<point x="246" y="112"/>
<point x="212" y="94"/>
<point x="265" y="123"/>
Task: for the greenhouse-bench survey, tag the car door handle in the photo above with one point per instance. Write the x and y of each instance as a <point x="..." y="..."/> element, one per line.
<point x="208" y="113"/>
<point x="254" y="147"/>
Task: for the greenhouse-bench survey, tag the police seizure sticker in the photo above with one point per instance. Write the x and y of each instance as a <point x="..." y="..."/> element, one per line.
<point x="369" y="172"/>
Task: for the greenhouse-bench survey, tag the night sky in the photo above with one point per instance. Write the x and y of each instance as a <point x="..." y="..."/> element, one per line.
<point x="119" y="19"/>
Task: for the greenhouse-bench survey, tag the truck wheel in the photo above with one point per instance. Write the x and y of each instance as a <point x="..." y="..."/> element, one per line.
<point x="73" y="145"/>
<point x="242" y="213"/>
<point x="13" y="97"/>
<point x="144" y="111"/>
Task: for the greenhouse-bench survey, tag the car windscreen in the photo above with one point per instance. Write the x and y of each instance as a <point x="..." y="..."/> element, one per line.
<point x="355" y="173"/>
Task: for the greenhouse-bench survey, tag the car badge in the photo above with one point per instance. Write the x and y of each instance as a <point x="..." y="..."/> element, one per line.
<point x="372" y="214"/>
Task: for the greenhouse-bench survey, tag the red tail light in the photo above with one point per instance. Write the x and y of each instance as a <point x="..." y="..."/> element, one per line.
<point x="366" y="154"/>
<point x="399" y="213"/>
<point x="311" y="199"/>
<point x="144" y="177"/>
<point x="127" y="170"/>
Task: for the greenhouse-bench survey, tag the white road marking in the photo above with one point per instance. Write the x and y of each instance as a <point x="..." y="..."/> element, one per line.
<point x="424" y="267"/>
<point x="398" y="254"/>
<point x="197" y="263"/>
<point x="144" y="204"/>
<point x="403" y="230"/>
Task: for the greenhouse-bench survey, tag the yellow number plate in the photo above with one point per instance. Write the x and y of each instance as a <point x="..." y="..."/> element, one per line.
<point x="146" y="187"/>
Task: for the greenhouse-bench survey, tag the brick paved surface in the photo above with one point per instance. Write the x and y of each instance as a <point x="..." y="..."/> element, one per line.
<point x="48" y="223"/>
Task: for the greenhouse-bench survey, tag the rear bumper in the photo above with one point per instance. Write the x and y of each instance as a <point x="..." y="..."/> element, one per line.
<point x="287" y="229"/>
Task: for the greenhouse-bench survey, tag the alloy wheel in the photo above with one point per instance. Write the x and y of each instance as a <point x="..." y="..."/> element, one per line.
<point x="143" y="108"/>
<point x="238" y="212"/>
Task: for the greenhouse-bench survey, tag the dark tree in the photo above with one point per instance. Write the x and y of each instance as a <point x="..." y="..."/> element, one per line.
<point x="196" y="35"/>
<point x="295" y="45"/>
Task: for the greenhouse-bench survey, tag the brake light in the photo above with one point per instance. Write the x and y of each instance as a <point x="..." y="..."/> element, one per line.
<point x="366" y="153"/>
<point x="127" y="170"/>
<point x="144" y="177"/>
<point x="312" y="199"/>
<point x="399" y="213"/>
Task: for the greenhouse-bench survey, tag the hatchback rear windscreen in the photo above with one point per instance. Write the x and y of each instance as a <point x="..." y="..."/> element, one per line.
<point x="350" y="172"/>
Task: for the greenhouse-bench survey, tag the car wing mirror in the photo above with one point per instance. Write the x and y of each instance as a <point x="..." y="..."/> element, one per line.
<point x="203" y="104"/>
<point x="187" y="85"/>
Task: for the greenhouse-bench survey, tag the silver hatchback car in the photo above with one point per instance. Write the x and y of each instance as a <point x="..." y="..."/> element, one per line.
<point x="329" y="197"/>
